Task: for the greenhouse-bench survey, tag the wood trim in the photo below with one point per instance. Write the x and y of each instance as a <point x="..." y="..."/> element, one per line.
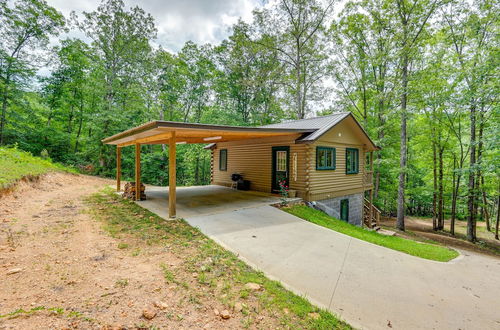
<point x="187" y="129"/>
<point x="315" y="196"/>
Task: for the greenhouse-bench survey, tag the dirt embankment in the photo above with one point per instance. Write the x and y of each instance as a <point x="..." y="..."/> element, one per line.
<point x="62" y="269"/>
<point x="40" y="266"/>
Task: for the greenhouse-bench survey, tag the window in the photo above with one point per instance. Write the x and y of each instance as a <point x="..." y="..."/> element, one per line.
<point x="351" y="161"/>
<point x="223" y="160"/>
<point x="325" y="158"/>
<point x="281" y="161"/>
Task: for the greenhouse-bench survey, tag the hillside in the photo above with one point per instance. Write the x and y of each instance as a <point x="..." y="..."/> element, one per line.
<point x="16" y="164"/>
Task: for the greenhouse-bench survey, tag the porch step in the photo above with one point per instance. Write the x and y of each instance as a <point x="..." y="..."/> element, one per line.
<point x="387" y="232"/>
<point x="290" y="201"/>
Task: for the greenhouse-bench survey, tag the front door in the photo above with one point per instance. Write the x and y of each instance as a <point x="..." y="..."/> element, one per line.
<point x="280" y="171"/>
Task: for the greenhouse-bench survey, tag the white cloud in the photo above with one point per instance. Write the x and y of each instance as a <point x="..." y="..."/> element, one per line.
<point x="178" y="21"/>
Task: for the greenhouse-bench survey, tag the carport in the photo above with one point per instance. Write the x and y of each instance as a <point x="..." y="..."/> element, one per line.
<point x="195" y="201"/>
<point x="173" y="133"/>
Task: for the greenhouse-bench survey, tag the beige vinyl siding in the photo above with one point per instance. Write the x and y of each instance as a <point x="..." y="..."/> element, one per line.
<point x="253" y="158"/>
<point x="333" y="183"/>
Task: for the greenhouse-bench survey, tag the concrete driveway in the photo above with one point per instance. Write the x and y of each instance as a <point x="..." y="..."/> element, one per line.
<point x="369" y="286"/>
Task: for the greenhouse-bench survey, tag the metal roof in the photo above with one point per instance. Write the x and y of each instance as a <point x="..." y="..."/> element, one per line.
<point x="155" y="131"/>
<point x="321" y="125"/>
<point x="311" y="123"/>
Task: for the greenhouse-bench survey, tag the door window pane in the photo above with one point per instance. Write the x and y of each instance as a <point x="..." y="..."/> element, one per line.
<point x="281" y="163"/>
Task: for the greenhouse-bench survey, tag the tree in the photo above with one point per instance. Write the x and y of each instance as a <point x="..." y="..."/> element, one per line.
<point x="432" y="92"/>
<point x="413" y="16"/>
<point x="25" y="26"/>
<point x="365" y="72"/>
<point x="294" y="28"/>
<point x="120" y="39"/>
<point x="198" y="72"/>
<point x="248" y="80"/>
<point x="69" y="84"/>
<point x="473" y="39"/>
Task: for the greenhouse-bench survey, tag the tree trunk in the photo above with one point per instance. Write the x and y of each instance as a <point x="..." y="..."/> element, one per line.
<point x="402" y="151"/>
<point x="197" y="170"/>
<point x="71" y="113"/>
<point x="456" y="189"/>
<point x="379" y="155"/>
<point x="484" y="208"/>
<point x="440" y="199"/>
<point x="480" y="177"/>
<point x="434" y="190"/>
<point x="5" y="95"/>
<point x="498" y="213"/>
<point x="80" y="124"/>
<point x="300" y="115"/>
<point x="471" y="203"/>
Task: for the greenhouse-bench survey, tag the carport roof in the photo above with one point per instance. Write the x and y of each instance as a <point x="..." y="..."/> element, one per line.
<point x="159" y="132"/>
<point x="305" y="131"/>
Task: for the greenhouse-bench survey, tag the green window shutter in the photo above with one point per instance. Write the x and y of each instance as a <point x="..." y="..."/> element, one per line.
<point x="351" y="161"/>
<point x="223" y="160"/>
<point x="325" y="158"/>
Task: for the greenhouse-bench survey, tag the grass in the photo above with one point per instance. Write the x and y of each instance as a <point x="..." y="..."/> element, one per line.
<point x="56" y="310"/>
<point x="430" y="251"/>
<point x="208" y="274"/>
<point x="16" y="164"/>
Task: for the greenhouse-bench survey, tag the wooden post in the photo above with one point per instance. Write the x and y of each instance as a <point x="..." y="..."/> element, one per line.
<point x="371" y="208"/>
<point x="137" y="172"/>
<point x="171" y="177"/>
<point x="118" y="168"/>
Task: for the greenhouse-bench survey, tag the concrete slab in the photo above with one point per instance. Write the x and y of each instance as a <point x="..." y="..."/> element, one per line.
<point x="202" y="200"/>
<point x="367" y="285"/>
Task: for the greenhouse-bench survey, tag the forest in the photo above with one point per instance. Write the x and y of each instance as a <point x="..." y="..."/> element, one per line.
<point x="421" y="76"/>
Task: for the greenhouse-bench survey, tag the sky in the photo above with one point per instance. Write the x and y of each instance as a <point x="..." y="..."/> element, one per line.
<point x="178" y="21"/>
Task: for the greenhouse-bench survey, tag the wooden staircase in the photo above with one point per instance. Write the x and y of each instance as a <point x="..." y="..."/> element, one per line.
<point x="371" y="215"/>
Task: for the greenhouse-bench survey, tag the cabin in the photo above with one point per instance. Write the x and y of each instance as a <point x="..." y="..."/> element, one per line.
<point x="327" y="160"/>
<point x="329" y="165"/>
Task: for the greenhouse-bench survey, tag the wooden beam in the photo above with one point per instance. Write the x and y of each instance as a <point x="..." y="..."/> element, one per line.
<point x="171" y="177"/>
<point x="137" y="172"/>
<point x="118" y="168"/>
<point x="197" y="136"/>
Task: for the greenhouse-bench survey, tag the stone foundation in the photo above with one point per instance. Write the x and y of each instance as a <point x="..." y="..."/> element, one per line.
<point x="331" y="207"/>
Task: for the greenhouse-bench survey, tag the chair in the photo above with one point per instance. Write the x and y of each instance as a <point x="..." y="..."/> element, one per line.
<point x="235" y="177"/>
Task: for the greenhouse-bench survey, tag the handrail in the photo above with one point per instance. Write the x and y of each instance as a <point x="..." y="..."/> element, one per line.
<point x="373" y="205"/>
<point x="375" y="212"/>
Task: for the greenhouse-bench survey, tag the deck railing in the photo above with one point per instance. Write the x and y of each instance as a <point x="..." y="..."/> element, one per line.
<point x="371" y="215"/>
<point x="368" y="180"/>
